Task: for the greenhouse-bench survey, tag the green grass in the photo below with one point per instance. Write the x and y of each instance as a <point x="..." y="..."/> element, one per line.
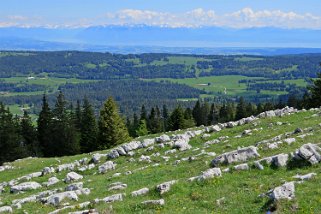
<point x="216" y="85"/>
<point x="240" y="189"/>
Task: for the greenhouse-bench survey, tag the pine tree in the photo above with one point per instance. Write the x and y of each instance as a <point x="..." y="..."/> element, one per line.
<point x="10" y="147"/>
<point x="213" y="117"/>
<point x="112" y="130"/>
<point x="197" y="113"/>
<point x="241" y="109"/>
<point x="78" y="119"/>
<point x="64" y="135"/>
<point x="143" y="113"/>
<point x="165" y="116"/>
<point x="176" y="119"/>
<point x="142" y="128"/>
<point x="44" y="128"/>
<point x="88" y="128"/>
<point x="29" y="135"/>
<point x="315" y="91"/>
<point x="205" y="111"/>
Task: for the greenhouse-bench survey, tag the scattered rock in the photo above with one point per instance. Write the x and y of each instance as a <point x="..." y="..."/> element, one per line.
<point x="48" y="170"/>
<point x="154" y="202"/>
<point x="57" y="198"/>
<point x="286" y="191"/>
<point x="162" y="139"/>
<point x="309" y="152"/>
<point x="25" y="187"/>
<point x="144" y="158"/>
<point x="289" y="140"/>
<point x="280" y="160"/>
<point x="297" y="131"/>
<point x="109" y="165"/>
<point x="113" y="198"/>
<point x="240" y="155"/>
<point x="74" y="186"/>
<point x="52" y="181"/>
<point x="117" y="186"/>
<point x="258" y="165"/>
<point x="6" y="209"/>
<point x="165" y="187"/>
<point x="139" y="192"/>
<point x="182" y="145"/>
<point x="132" y="146"/>
<point x="73" y="176"/>
<point x="305" y="177"/>
<point x="241" y="167"/>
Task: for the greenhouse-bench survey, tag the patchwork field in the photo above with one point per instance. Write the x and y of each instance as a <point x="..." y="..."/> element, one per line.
<point x="217" y="169"/>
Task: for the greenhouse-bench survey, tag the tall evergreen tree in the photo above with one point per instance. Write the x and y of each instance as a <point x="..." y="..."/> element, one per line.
<point x="64" y="135"/>
<point x="88" y="128"/>
<point x="197" y="113"/>
<point x="44" y="128"/>
<point x="241" y="109"/>
<point x="205" y="111"/>
<point x="112" y="130"/>
<point x="165" y="116"/>
<point x="29" y="135"/>
<point x="143" y="113"/>
<point x="10" y="146"/>
<point x="213" y="117"/>
<point x="78" y="113"/>
<point x="142" y="128"/>
<point x="315" y="91"/>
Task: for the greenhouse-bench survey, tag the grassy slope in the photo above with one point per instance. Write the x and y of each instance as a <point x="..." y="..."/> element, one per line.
<point x="240" y="189"/>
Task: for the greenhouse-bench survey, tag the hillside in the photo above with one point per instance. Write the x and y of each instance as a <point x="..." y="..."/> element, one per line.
<point x="226" y="168"/>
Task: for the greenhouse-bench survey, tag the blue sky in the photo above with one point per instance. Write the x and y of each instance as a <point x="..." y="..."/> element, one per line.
<point x="174" y="13"/>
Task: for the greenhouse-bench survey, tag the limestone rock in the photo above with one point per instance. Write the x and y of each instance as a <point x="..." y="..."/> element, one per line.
<point x="162" y="139"/>
<point x="305" y="177"/>
<point x="6" y="209"/>
<point x="73" y="176"/>
<point x="286" y="191"/>
<point x="109" y="165"/>
<point x="165" y="187"/>
<point x="74" y="186"/>
<point x="139" y="192"/>
<point x="241" y="167"/>
<point x="48" y="170"/>
<point x="240" y="155"/>
<point x="52" y="181"/>
<point x="154" y="202"/>
<point x="25" y="186"/>
<point x="96" y="157"/>
<point x="113" y="198"/>
<point x="182" y="145"/>
<point x="132" y="146"/>
<point x="57" y="198"/>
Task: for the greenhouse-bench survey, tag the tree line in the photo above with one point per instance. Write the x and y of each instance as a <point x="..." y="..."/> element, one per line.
<point x="63" y="129"/>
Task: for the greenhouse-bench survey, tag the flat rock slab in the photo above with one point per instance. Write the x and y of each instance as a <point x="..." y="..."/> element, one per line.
<point x="25" y="187"/>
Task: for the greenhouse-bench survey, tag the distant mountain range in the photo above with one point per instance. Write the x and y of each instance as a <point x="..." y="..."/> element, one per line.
<point x="140" y="39"/>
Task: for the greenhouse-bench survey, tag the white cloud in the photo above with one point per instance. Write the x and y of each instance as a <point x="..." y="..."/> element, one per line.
<point x="244" y="18"/>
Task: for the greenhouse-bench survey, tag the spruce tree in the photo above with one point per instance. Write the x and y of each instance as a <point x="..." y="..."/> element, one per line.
<point x="64" y="135"/>
<point x="165" y="116"/>
<point x="241" y="109"/>
<point x="88" y="128"/>
<point x="29" y="135"/>
<point x="315" y="91"/>
<point x="44" y="128"/>
<point x="197" y="113"/>
<point x="213" y="116"/>
<point x="112" y="130"/>
<point x="205" y="111"/>
<point x="78" y="113"/>
<point x="142" y="128"/>
<point x="10" y="147"/>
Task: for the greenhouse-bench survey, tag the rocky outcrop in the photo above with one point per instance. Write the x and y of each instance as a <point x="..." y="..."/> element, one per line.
<point x="139" y="192"/>
<point x="165" y="187"/>
<point x="109" y="165"/>
<point x="25" y="187"/>
<point x="73" y="176"/>
<point x="240" y="155"/>
<point x="154" y="202"/>
<point x="286" y="191"/>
